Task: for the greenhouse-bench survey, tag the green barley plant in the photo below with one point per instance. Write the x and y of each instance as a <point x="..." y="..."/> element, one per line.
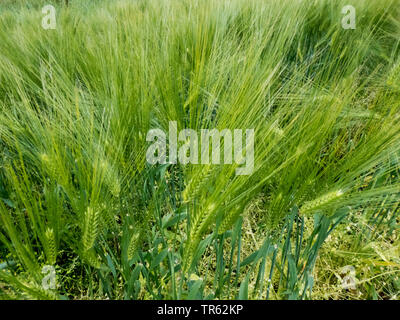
<point x="76" y="191"/>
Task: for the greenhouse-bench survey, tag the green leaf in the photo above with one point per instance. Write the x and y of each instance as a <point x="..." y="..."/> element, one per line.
<point x="244" y="289"/>
<point x="158" y="259"/>
<point x="195" y="292"/>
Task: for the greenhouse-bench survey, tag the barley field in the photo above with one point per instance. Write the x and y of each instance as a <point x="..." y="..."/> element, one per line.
<point x="314" y="84"/>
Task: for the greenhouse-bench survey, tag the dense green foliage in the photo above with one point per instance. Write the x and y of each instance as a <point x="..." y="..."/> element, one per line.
<point x="77" y="193"/>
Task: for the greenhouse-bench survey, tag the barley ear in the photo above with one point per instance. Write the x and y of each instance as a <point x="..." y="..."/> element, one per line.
<point x="133" y="245"/>
<point x="91" y="228"/>
<point x="320" y="202"/>
<point x="50" y="247"/>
